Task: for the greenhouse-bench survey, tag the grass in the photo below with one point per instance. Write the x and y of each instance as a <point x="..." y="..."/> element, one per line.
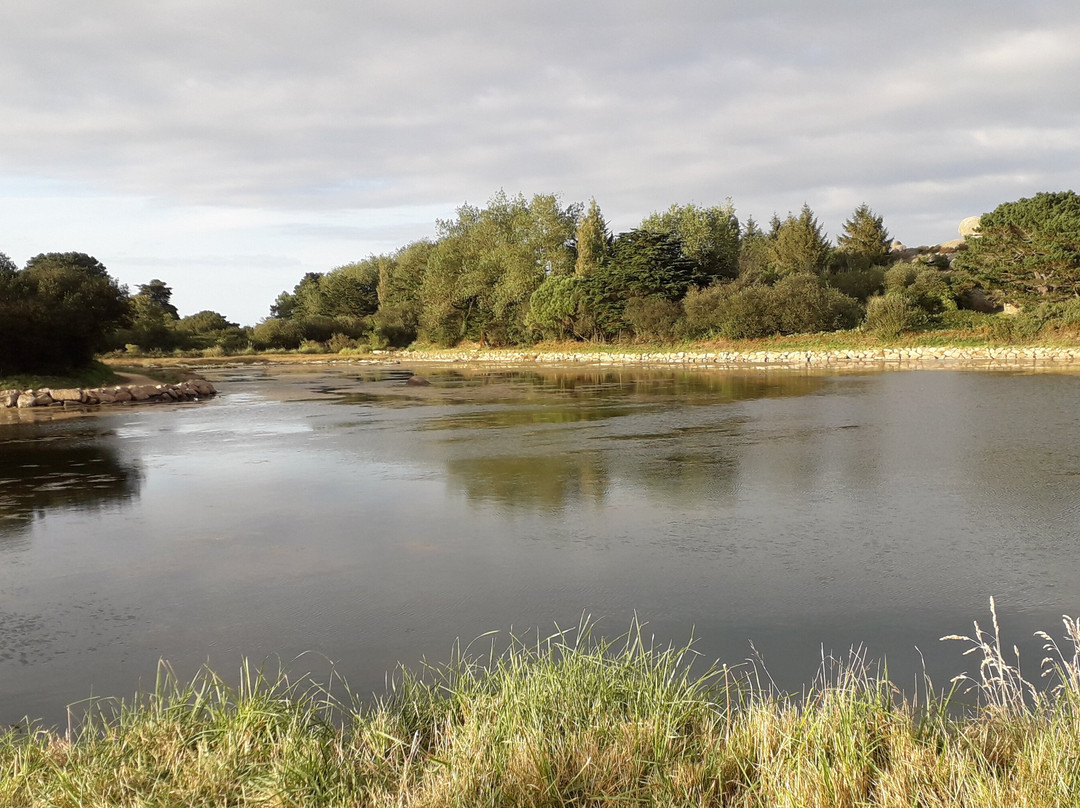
<point x="96" y="374"/>
<point x="571" y="720"/>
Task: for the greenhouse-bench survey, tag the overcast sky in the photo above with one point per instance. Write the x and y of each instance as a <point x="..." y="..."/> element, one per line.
<point x="229" y="147"/>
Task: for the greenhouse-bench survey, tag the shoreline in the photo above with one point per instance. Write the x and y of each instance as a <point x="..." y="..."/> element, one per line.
<point x="1005" y="357"/>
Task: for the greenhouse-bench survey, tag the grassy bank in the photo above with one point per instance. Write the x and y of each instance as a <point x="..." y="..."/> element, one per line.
<point x="570" y="721"/>
<point x="97" y="374"/>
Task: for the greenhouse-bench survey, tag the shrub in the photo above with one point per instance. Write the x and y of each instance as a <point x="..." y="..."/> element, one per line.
<point x="340" y="342"/>
<point x="892" y="314"/>
<point x="653" y="317"/>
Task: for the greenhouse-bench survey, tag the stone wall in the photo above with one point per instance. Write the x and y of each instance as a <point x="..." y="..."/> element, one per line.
<point x="191" y="390"/>
<point x="998" y="357"/>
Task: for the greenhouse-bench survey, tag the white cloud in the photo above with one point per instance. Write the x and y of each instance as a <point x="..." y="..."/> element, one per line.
<point x="242" y="130"/>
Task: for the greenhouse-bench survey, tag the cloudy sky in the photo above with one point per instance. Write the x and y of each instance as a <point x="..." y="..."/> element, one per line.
<point x="229" y="146"/>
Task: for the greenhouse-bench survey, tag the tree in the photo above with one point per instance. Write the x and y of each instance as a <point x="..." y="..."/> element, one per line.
<point x="799" y="245"/>
<point x="865" y="237"/>
<point x="57" y="312"/>
<point x="487" y="263"/>
<point x="593" y="240"/>
<point x="650" y="262"/>
<point x="1028" y="249"/>
<point x="153" y="317"/>
<point x="709" y="236"/>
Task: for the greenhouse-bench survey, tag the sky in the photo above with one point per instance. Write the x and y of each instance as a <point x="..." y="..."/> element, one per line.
<point x="229" y="146"/>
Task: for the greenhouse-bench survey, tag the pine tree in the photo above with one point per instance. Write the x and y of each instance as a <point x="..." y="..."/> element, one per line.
<point x="799" y="245"/>
<point x="865" y="236"/>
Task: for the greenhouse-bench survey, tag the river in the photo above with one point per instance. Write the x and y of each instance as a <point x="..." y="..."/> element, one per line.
<point x="338" y="513"/>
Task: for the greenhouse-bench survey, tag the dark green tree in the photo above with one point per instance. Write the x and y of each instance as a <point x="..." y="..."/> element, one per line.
<point x="57" y="312"/>
<point x="649" y="262"/>
<point x="153" y="318"/>
<point x="1028" y="249"/>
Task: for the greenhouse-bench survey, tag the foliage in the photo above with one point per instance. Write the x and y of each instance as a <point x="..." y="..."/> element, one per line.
<point x="648" y="262"/>
<point x="555" y="307"/>
<point x="892" y="314"/>
<point x="57" y="312"/>
<point x="592" y="240"/>
<point x="277" y="333"/>
<point x="798" y="244"/>
<point x="709" y="238"/>
<point x="487" y="263"/>
<point x="653" y="318"/>
<point x="1028" y="249"/>
<point x="865" y="237"/>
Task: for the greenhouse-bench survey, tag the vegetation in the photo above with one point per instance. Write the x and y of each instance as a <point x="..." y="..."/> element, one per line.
<point x="1029" y="250"/>
<point x="572" y="720"/>
<point x="519" y="271"/>
<point x="56" y="312"/>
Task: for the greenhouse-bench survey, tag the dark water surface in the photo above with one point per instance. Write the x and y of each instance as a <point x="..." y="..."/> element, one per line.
<point x="344" y="513"/>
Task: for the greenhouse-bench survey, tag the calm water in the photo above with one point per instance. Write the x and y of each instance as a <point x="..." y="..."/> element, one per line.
<point x="350" y="515"/>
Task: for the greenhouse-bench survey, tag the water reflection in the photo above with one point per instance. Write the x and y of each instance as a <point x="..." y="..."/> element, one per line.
<point x="44" y="468"/>
<point x="531" y="482"/>
<point x="348" y="513"/>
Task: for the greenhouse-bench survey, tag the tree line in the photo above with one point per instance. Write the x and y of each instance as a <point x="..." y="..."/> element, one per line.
<point x="521" y="270"/>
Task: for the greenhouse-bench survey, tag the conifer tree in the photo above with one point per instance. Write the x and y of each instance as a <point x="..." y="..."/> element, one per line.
<point x="799" y="245"/>
<point x="593" y="241"/>
<point x="864" y="236"/>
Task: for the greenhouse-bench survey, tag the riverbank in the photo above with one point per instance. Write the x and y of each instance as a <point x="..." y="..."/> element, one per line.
<point x="789" y="353"/>
<point x="569" y="721"/>
<point x="1004" y="357"/>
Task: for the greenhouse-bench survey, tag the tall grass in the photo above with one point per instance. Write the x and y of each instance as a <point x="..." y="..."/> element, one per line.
<point x="572" y="719"/>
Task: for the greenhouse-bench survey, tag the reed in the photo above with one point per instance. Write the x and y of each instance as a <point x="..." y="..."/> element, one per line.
<point x="572" y="719"/>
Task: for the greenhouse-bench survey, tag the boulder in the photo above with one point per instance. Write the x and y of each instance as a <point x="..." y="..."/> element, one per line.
<point x="25" y="400"/>
<point x="8" y="398"/>
<point x="122" y="394"/>
<point x="952" y="245"/>
<point x="417" y="381"/>
<point x="69" y="394"/>
<point x="141" y="392"/>
<point x="969" y="226"/>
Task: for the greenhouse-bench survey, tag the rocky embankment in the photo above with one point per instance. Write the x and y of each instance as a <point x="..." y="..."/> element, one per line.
<point x="914" y="357"/>
<point x="191" y="390"/>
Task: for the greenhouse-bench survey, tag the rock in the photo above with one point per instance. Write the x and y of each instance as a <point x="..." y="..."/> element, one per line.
<point x="897" y="246"/>
<point x="417" y="381"/>
<point x="141" y="392"/>
<point x="8" y="398"/>
<point x="69" y="394"/>
<point x="122" y="394"/>
<point x="43" y="400"/>
<point x="952" y="245"/>
<point x="969" y="227"/>
<point x="25" y="400"/>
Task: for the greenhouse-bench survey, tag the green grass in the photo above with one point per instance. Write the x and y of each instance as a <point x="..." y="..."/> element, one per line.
<point x="570" y="720"/>
<point x="96" y="374"/>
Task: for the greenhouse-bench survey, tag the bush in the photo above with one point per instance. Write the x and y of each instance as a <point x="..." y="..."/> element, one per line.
<point x="892" y="314"/>
<point x="702" y="310"/>
<point x="340" y="342"/>
<point x="276" y="333"/>
<point x="653" y="318"/>
<point x="310" y="346"/>
<point x="860" y="283"/>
